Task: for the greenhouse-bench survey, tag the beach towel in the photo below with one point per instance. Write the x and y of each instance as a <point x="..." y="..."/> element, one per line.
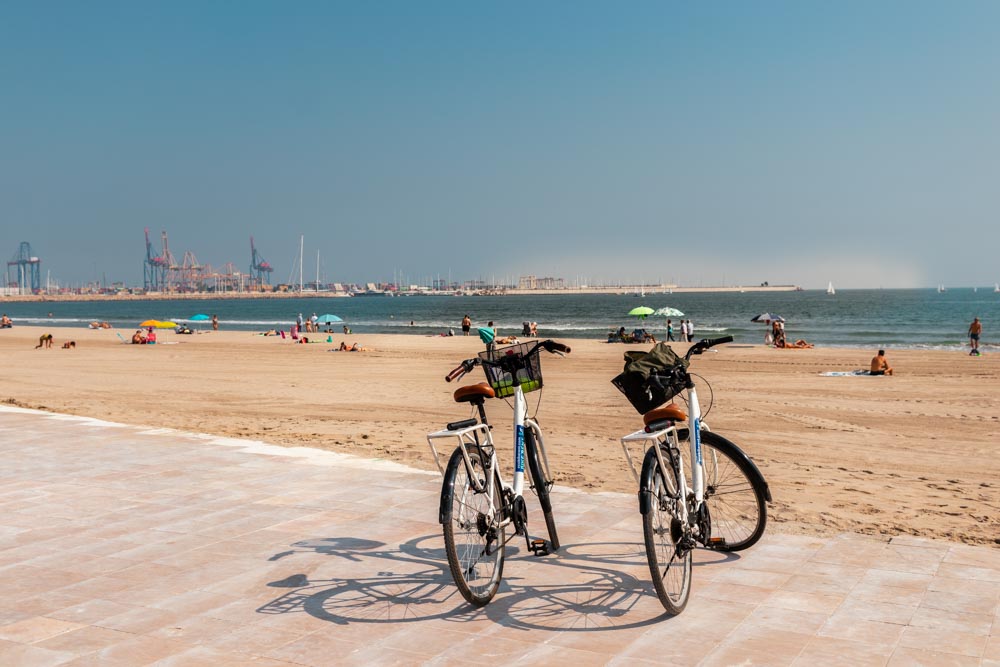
<point x="859" y="371"/>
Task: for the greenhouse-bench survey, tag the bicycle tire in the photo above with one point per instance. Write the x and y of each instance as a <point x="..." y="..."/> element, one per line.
<point x="735" y="493"/>
<point x="669" y="565"/>
<point x="541" y="484"/>
<point x="465" y="541"/>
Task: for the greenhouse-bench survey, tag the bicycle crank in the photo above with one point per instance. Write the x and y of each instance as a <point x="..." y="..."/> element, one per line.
<point x="519" y="515"/>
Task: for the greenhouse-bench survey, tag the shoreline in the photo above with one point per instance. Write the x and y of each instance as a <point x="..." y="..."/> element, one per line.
<point x="830" y="447"/>
<point x="203" y="296"/>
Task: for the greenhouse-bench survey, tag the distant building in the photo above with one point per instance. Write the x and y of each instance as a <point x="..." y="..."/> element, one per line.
<point x="531" y="282"/>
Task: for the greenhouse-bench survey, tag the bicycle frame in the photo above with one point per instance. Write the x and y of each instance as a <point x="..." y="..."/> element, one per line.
<point x="669" y="435"/>
<point x="481" y="434"/>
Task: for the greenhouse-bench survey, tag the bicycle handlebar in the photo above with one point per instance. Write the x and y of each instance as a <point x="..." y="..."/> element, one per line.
<point x="554" y="347"/>
<point x="467" y="365"/>
<point x="706" y="343"/>
<point x="461" y="370"/>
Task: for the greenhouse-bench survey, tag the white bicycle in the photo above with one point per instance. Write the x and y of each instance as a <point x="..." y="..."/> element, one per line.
<point x="716" y="498"/>
<point x="477" y="506"/>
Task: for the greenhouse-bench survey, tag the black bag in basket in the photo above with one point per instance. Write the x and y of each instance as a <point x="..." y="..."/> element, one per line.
<point x="635" y="383"/>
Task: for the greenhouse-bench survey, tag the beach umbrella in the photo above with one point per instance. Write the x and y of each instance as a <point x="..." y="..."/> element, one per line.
<point x="328" y="319"/>
<point x="165" y="325"/>
<point x="149" y="323"/>
<point x="641" y="311"/>
<point x="200" y="317"/>
<point x="668" y="312"/>
<point x="768" y="317"/>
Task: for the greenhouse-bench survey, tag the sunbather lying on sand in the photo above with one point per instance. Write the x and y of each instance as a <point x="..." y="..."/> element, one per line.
<point x="797" y="345"/>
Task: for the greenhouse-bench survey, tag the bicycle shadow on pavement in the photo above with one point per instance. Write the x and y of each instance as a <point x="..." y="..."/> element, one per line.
<point x="598" y="586"/>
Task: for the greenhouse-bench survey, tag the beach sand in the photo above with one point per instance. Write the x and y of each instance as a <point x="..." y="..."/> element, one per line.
<point x="914" y="454"/>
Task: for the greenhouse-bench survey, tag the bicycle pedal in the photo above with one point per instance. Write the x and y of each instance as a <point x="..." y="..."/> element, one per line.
<point x="539" y="547"/>
<point x="716" y="542"/>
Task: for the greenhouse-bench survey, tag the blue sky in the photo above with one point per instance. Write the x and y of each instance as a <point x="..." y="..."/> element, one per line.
<point x="799" y="142"/>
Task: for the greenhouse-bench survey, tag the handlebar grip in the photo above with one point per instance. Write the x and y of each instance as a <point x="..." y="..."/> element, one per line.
<point x="553" y="346"/>
<point x="720" y="341"/>
<point x="457" y="373"/>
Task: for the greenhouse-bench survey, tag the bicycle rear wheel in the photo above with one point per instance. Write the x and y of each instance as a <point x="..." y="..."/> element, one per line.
<point x="663" y="531"/>
<point x="472" y="540"/>
<point x="542" y="485"/>
<point x="735" y="494"/>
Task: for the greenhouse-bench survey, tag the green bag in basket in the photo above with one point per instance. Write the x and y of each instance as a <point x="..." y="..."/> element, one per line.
<point x="633" y="381"/>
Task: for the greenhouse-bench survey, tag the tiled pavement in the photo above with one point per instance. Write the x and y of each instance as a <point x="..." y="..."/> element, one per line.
<point x="130" y="546"/>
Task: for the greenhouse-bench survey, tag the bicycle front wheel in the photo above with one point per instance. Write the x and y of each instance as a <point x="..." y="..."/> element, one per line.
<point x="664" y="532"/>
<point x="735" y="494"/>
<point x="473" y="540"/>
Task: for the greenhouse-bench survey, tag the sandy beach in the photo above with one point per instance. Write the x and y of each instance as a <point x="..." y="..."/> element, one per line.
<point x="913" y="454"/>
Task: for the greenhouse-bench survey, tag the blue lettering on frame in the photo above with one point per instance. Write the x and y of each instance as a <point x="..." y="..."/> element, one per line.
<point x="697" y="439"/>
<point x="519" y="451"/>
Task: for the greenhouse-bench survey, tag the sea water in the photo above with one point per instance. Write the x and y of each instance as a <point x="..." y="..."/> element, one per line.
<point x="914" y="318"/>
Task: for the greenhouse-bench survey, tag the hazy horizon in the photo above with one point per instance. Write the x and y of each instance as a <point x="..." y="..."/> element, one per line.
<point x="788" y="142"/>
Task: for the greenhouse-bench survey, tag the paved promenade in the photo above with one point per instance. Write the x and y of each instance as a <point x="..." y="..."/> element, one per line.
<point x="131" y="546"/>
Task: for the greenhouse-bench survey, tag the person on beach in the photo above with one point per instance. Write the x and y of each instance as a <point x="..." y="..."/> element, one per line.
<point x="5" y="322"/>
<point x="346" y="330"/>
<point x="975" y="330"/>
<point x="491" y="334"/>
<point x="534" y="329"/>
<point x="138" y="338"/>
<point x="466" y="325"/>
<point x="299" y="321"/>
<point x="69" y="345"/>
<point x="880" y="365"/>
<point x="215" y="322"/>
<point x="690" y="331"/>
<point x="315" y="322"/>
<point x="670" y="331"/>
<point x="151" y="337"/>
<point x="45" y="340"/>
<point x="684" y="331"/>
<point x="769" y="332"/>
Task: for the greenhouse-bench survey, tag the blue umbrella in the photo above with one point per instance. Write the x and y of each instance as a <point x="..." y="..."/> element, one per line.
<point x="199" y="318"/>
<point x="328" y="318"/>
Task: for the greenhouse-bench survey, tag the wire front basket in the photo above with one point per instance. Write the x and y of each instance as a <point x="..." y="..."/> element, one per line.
<point x="512" y="366"/>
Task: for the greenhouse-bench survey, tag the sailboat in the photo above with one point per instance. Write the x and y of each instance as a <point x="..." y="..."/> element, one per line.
<point x="996" y="287"/>
<point x="941" y="289"/>
<point x="829" y="288"/>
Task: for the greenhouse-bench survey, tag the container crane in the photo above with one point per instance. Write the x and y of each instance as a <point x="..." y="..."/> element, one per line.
<point x="27" y="268"/>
